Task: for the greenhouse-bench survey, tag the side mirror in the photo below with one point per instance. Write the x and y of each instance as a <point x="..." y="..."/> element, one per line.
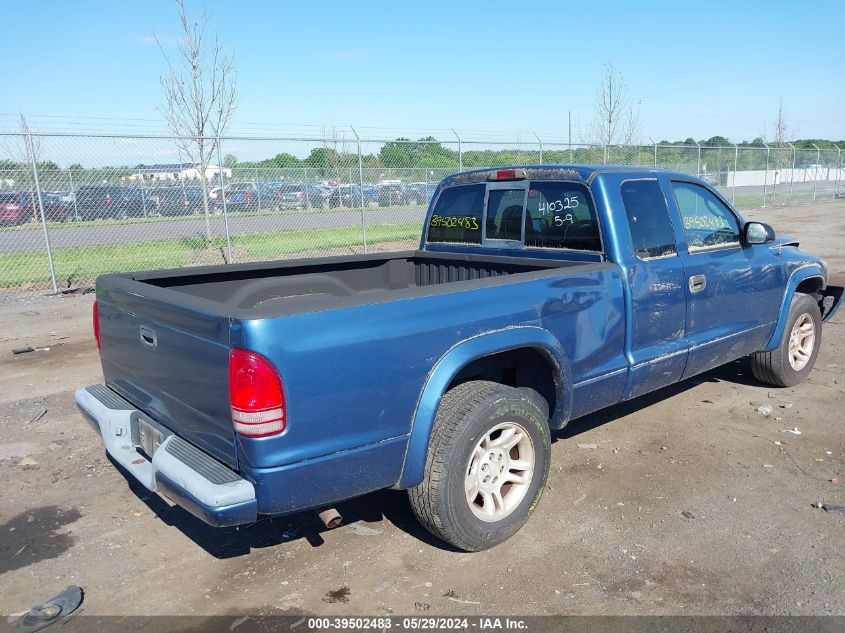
<point x="757" y="233"/>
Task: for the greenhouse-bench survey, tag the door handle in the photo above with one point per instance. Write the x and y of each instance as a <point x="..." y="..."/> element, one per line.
<point x="697" y="283"/>
<point x="148" y="337"/>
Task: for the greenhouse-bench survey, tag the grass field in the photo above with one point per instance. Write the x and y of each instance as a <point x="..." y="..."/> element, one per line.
<point x="80" y="264"/>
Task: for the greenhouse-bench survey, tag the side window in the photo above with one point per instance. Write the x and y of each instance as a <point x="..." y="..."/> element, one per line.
<point x="561" y="215"/>
<point x="504" y="214"/>
<point x="648" y="219"/>
<point x="707" y="221"/>
<point x="457" y="215"/>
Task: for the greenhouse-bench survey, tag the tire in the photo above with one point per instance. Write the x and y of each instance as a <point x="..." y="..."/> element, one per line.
<point x="785" y="366"/>
<point x="468" y="415"/>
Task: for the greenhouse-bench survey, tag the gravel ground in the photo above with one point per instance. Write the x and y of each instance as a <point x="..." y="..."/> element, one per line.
<point x="685" y="501"/>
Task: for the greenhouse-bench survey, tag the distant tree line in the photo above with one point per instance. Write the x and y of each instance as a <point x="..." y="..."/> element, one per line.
<point x="426" y="155"/>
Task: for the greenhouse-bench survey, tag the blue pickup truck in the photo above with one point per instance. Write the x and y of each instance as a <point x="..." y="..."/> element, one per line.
<point x="537" y="296"/>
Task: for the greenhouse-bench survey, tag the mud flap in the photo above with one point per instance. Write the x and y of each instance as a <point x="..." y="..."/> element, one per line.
<point x="831" y="300"/>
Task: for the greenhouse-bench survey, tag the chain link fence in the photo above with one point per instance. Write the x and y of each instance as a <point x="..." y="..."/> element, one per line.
<point x="76" y="206"/>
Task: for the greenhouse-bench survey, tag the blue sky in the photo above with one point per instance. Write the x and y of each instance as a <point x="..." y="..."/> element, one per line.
<point x="696" y="69"/>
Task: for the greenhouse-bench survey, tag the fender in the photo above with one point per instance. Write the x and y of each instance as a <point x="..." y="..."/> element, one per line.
<point x="458" y="357"/>
<point x="797" y="276"/>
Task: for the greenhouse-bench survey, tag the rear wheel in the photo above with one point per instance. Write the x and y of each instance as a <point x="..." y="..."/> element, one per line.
<point x="487" y="464"/>
<point x="796" y="354"/>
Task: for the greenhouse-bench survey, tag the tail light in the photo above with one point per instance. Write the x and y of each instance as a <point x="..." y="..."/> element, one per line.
<point x="96" y="318"/>
<point x="256" y="396"/>
<point x="248" y="196"/>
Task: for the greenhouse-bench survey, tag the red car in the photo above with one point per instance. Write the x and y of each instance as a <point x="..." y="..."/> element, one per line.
<point x="22" y="207"/>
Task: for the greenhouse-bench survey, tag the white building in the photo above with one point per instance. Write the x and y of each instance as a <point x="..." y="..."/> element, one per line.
<point x="177" y="171"/>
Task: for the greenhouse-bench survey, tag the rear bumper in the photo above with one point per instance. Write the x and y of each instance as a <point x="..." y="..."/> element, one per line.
<point x="178" y="470"/>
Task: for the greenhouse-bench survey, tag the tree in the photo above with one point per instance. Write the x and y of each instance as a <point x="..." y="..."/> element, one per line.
<point x="324" y="160"/>
<point x="280" y="161"/>
<point x="230" y="161"/>
<point x="200" y="92"/>
<point x="616" y="121"/>
<point x="782" y="155"/>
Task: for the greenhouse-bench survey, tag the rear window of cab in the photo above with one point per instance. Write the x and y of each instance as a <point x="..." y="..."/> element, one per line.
<point x="536" y="214"/>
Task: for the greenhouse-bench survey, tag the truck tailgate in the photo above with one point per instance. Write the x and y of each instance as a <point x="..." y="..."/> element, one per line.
<point x="169" y="361"/>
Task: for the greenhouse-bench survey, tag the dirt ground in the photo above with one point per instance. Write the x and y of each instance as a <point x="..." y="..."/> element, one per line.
<point x="686" y="501"/>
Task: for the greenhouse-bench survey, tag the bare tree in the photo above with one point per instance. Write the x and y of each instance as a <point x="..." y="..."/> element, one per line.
<point x="616" y="120"/>
<point x="199" y="95"/>
<point x="783" y="157"/>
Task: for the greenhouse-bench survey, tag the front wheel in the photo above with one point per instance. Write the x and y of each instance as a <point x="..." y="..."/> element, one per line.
<point x="796" y="354"/>
<point x="487" y="464"/>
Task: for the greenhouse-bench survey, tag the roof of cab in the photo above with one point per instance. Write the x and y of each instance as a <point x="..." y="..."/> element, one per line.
<point x="570" y="172"/>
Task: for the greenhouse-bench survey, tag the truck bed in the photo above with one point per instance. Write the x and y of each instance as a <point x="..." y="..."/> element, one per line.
<point x="166" y="335"/>
<point x="259" y="290"/>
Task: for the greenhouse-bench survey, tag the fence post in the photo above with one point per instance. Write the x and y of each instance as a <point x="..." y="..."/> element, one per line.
<point x="736" y="167"/>
<point x="361" y="187"/>
<point x="791" y="171"/>
<point x="766" y="175"/>
<point x="605" y="154"/>
<point x="257" y="187"/>
<point x="143" y="193"/>
<point x="698" y="163"/>
<point x="541" y="146"/>
<point x="838" y="170"/>
<point x="655" y="154"/>
<point x="460" y="151"/>
<point x="73" y="196"/>
<point x="223" y="197"/>
<point x="816" y="170"/>
<point x="41" y="211"/>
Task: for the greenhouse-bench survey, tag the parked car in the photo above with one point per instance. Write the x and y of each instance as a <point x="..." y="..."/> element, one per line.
<point x="393" y="194"/>
<point x="22" y="206"/>
<point x="68" y="197"/>
<point x="345" y="196"/>
<point x="215" y="196"/>
<point x="249" y="196"/>
<point x="371" y="194"/>
<point x="420" y="193"/>
<point x="99" y="202"/>
<point x="538" y="295"/>
<point x="179" y="200"/>
<point x="300" y="196"/>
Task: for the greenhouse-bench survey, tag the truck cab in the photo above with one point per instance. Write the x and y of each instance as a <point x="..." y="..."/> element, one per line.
<point x="702" y="284"/>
